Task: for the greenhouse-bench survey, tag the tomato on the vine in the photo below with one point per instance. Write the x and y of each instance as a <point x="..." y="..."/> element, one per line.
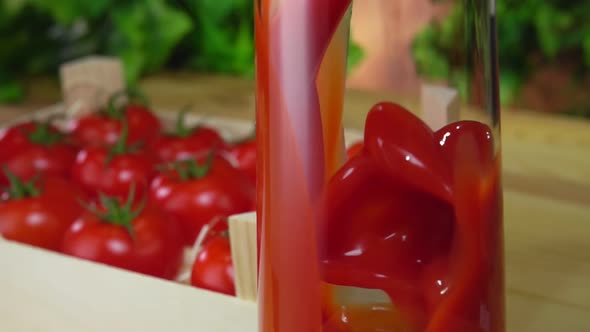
<point x="114" y="170"/>
<point x="186" y="143"/>
<point x="215" y="228"/>
<point x="14" y="139"/>
<point x="128" y="236"/>
<point x="39" y="212"/>
<point x="213" y="268"/>
<point x="196" y="192"/>
<point x="34" y="148"/>
<point x="244" y="155"/>
<point x="105" y="127"/>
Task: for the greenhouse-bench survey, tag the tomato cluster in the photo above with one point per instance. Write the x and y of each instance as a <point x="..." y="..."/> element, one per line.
<point x="115" y="188"/>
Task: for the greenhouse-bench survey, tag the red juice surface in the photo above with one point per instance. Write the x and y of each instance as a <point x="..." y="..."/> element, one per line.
<point x="415" y="215"/>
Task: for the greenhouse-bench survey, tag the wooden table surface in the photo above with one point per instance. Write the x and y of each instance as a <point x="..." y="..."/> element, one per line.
<point x="546" y="181"/>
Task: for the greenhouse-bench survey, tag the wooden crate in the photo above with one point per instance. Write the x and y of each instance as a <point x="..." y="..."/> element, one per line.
<point x="48" y="292"/>
<point x="45" y="291"/>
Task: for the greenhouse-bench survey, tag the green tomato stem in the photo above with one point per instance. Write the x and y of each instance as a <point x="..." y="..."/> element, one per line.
<point x="117" y="214"/>
<point x="19" y="189"/>
<point x="42" y="134"/>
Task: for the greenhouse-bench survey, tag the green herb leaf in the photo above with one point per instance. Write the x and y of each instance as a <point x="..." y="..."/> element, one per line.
<point x="145" y="34"/>
<point x="11" y="91"/>
<point x="68" y="11"/>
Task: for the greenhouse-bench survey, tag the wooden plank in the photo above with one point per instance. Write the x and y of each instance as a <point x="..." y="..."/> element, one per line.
<point x="548" y="248"/>
<point x="88" y="83"/>
<point x="547" y="264"/>
<point x="242" y="233"/>
<point x="43" y="291"/>
<point x="440" y="105"/>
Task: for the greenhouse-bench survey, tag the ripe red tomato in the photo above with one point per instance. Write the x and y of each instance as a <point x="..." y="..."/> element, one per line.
<point x="14" y="139"/>
<point x="114" y="170"/>
<point x="139" y="240"/>
<point x="38" y="213"/>
<point x="96" y="129"/>
<point x="213" y="268"/>
<point x="187" y="143"/>
<point x="35" y="147"/>
<point x="196" y="194"/>
<point x="104" y="127"/>
<point x="217" y="227"/>
<point x="244" y="155"/>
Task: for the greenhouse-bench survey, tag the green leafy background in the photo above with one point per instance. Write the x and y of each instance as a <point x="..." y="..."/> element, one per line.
<point x="149" y="35"/>
<point x="532" y="34"/>
<point x="217" y="36"/>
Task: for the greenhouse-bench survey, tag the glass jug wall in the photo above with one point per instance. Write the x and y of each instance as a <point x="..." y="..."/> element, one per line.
<point x="403" y="233"/>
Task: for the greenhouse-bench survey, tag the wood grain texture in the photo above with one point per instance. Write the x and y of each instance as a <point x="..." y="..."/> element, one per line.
<point x="546" y="163"/>
<point x="89" y="82"/>
<point x="242" y="234"/>
<point x="439" y="105"/>
<point x="46" y="292"/>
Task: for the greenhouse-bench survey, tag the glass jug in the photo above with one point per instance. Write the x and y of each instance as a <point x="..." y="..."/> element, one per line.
<point x="400" y="232"/>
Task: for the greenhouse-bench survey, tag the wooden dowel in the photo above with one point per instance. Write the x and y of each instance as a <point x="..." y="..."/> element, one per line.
<point x="440" y="105"/>
<point x="88" y="83"/>
<point x="242" y="234"/>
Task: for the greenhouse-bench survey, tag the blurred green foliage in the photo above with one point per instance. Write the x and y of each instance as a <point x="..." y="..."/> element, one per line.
<point x="531" y="34"/>
<point x="149" y="35"/>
